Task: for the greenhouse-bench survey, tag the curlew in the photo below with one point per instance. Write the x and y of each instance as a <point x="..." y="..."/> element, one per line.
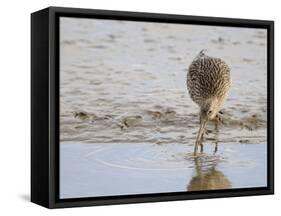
<point x="208" y="82"/>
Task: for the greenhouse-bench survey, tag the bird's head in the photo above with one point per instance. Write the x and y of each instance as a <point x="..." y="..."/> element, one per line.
<point x="201" y="54"/>
<point x="210" y="109"/>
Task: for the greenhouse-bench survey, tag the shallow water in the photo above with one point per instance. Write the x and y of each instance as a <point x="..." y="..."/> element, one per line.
<point x="126" y="114"/>
<point x="128" y="168"/>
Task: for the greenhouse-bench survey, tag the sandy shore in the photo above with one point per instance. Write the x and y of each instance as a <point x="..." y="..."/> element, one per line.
<point x="126" y="81"/>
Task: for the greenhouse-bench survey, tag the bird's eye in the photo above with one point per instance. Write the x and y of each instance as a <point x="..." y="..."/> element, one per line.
<point x="209" y="112"/>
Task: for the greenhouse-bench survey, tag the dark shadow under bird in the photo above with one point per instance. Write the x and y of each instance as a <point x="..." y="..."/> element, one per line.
<point x="208" y="83"/>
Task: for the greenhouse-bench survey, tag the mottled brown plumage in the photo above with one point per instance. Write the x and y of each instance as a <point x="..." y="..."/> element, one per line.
<point x="208" y="82"/>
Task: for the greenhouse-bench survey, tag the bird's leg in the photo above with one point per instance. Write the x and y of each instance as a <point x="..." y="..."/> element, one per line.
<point x="217" y="121"/>
<point x="197" y="143"/>
<point x="216" y="147"/>
<point x="195" y="148"/>
<point x="199" y="137"/>
<point x="201" y="147"/>
<point x="201" y="142"/>
<point x="202" y="138"/>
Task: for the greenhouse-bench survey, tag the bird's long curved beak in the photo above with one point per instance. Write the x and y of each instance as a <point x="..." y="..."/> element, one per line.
<point x="199" y="135"/>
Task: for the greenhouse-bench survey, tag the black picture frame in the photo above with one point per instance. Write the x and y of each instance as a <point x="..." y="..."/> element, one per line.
<point x="45" y="106"/>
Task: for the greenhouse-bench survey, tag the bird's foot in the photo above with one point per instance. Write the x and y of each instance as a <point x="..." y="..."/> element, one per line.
<point x="201" y="147"/>
<point x="216" y="148"/>
<point x="196" y="148"/>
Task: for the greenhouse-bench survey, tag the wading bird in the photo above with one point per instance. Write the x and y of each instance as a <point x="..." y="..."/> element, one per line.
<point x="208" y="82"/>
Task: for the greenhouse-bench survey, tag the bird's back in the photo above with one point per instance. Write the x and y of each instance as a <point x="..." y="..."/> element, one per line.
<point x="207" y="77"/>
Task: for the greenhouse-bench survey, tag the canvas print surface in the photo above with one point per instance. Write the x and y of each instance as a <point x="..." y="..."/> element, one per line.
<point x="137" y="97"/>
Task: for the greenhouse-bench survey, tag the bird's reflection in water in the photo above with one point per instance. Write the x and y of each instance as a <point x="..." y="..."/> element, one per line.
<point x="207" y="177"/>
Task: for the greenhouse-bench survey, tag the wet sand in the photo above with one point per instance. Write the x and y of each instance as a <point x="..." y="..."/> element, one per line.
<point x="123" y="85"/>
